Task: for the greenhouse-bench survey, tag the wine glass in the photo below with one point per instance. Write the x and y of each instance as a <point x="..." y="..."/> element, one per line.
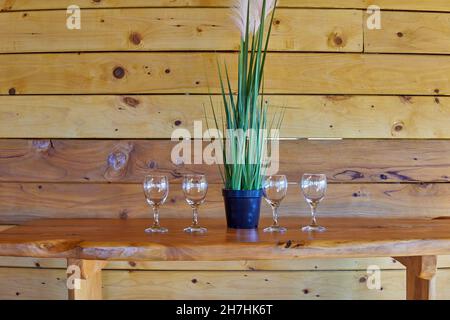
<point x="274" y="190"/>
<point x="156" y="190"/>
<point x="314" y="187"/>
<point x="195" y="188"/>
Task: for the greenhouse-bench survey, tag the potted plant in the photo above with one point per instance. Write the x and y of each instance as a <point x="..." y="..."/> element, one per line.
<point x="245" y="116"/>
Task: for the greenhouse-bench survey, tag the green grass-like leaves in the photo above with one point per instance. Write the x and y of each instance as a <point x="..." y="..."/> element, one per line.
<point x="244" y="117"/>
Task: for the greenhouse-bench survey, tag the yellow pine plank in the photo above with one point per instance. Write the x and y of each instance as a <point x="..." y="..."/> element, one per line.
<point x="433" y="5"/>
<point x="301" y="73"/>
<point x="410" y="32"/>
<point x="158" y="116"/>
<point x="175" y="29"/>
<point x="32" y="284"/>
<point x="267" y="265"/>
<point x="20" y="283"/>
<point x="259" y="285"/>
<point x="29" y="201"/>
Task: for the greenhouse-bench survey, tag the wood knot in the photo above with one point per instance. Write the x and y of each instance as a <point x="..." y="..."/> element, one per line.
<point x="399" y="34"/>
<point x="336" y="39"/>
<point x="276" y="22"/>
<point x="177" y="123"/>
<point x="118" y="161"/>
<point x="167" y="71"/>
<point x="130" y="101"/>
<point x="135" y="38"/>
<point x="406" y="99"/>
<point x="12" y="91"/>
<point x="398" y="126"/>
<point x="41" y="145"/>
<point x="119" y="72"/>
<point x="288" y="244"/>
<point x="123" y="215"/>
<point x="152" y="164"/>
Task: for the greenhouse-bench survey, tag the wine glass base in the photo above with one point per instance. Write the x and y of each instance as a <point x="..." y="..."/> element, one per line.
<point x="275" y="229"/>
<point x="195" y="229"/>
<point x="314" y="228"/>
<point x="156" y="229"/>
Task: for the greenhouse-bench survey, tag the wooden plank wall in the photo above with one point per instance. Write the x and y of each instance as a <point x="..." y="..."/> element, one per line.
<point x="85" y="114"/>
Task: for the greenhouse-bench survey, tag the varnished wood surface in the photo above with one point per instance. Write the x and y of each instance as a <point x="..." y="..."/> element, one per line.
<point x="126" y="240"/>
<point x="181" y="29"/>
<point x="410" y="32"/>
<point x="54" y="160"/>
<point x="29" y="201"/>
<point x="157" y="116"/>
<point x="285" y="73"/>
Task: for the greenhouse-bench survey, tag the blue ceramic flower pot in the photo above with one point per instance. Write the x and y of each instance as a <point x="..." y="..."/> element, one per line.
<point x="242" y="208"/>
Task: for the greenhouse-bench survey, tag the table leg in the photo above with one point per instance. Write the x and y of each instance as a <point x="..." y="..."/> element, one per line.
<point x="88" y="273"/>
<point x="420" y="276"/>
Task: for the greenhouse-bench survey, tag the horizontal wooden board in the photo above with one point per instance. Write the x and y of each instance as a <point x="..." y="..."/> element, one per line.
<point x="27" y="201"/>
<point x="434" y="5"/>
<point x="18" y="283"/>
<point x="149" y="116"/>
<point x="342" y="161"/>
<point x="410" y="32"/>
<point x="32" y="284"/>
<point x="259" y="285"/>
<point x="295" y="265"/>
<point x="115" y="239"/>
<point x="257" y="265"/>
<point x="176" y="29"/>
<point x="301" y="73"/>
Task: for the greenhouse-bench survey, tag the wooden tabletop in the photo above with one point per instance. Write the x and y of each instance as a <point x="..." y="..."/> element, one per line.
<point x="114" y="239"/>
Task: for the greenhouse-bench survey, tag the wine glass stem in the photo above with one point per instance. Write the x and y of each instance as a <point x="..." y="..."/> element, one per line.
<point x="275" y="215"/>
<point x="313" y="214"/>
<point x="156" y="215"/>
<point x="194" y="215"/>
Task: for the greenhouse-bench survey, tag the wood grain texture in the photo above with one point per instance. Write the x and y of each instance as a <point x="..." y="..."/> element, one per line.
<point x="412" y="32"/>
<point x="342" y="161"/>
<point x="19" y="283"/>
<point x="250" y="285"/>
<point x="113" y="239"/>
<point x="28" y="284"/>
<point x="420" y="277"/>
<point x="90" y="281"/>
<point x="432" y="5"/>
<point x="157" y="116"/>
<point x="28" y="201"/>
<point x="246" y="265"/>
<point x="301" y="73"/>
<point x="177" y="30"/>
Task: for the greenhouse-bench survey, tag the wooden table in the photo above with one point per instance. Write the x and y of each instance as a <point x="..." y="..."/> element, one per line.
<point x="90" y="243"/>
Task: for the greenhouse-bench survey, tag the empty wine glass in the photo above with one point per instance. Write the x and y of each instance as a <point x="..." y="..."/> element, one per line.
<point x="156" y="190"/>
<point x="195" y="188"/>
<point x="274" y="191"/>
<point x="314" y="187"/>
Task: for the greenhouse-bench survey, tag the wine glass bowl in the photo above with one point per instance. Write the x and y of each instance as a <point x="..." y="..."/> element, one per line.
<point x="274" y="191"/>
<point x="195" y="188"/>
<point x="156" y="190"/>
<point x="314" y="187"/>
